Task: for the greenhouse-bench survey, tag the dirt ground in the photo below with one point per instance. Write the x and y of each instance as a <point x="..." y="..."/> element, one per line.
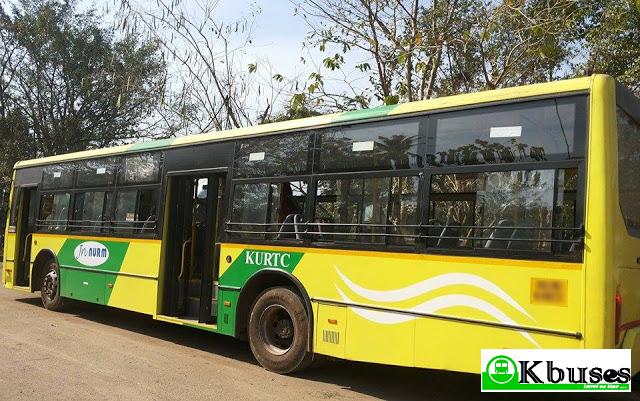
<point x="91" y="352"/>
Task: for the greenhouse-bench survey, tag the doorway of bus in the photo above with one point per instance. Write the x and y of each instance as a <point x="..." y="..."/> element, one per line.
<point x="26" y="210"/>
<point x="194" y="222"/>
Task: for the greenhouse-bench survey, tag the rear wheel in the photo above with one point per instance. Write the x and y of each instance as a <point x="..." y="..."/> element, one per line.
<point x="50" y="290"/>
<point x="279" y="331"/>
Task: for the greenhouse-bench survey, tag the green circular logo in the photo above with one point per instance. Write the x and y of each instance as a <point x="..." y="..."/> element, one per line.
<point x="502" y="369"/>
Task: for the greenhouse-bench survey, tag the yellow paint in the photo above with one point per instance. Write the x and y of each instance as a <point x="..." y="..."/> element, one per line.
<point x="136" y="293"/>
<point x="324" y="331"/>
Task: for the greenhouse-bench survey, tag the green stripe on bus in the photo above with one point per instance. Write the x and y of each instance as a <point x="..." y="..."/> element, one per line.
<point x="160" y="143"/>
<point x="381" y="111"/>
<point x="251" y="261"/>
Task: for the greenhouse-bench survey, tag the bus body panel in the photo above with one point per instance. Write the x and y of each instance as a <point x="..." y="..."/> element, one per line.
<point x="626" y="258"/>
<point x="461" y="304"/>
<point x="128" y="281"/>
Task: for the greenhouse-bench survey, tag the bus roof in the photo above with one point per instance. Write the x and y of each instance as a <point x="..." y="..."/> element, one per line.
<point x="548" y="88"/>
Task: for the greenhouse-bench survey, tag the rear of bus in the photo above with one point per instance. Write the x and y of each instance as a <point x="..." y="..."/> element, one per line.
<point x="622" y="211"/>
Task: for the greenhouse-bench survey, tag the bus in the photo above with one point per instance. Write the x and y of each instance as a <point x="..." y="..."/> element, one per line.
<point x="413" y="235"/>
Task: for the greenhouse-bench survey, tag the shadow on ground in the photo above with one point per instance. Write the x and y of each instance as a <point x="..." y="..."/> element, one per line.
<point x="385" y="382"/>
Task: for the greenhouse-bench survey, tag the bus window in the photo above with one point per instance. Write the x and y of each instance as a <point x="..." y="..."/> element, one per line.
<point x="503" y="210"/>
<point x="273" y="156"/>
<point x="269" y="210"/>
<point x="628" y="171"/>
<point x="91" y="210"/>
<point x="97" y="172"/>
<point x="58" y="176"/>
<point x="142" y="168"/>
<point x="389" y="145"/>
<point x="372" y="210"/>
<point x="54" y="211"/>
<point x="531" y="131"/>
<point x="136" y="211"/>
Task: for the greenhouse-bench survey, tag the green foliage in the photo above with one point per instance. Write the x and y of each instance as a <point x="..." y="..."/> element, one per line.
<point x="69" y="84"/>
<point x="419" y="50"/>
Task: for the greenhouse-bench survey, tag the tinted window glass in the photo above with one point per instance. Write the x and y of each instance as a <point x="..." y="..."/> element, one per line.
<point x="143" y="168"/>
<point x="54" y="211"/>
<point x="503" y="210"/>
<point x="534" y="131"/>
<point x="59" y="176"/>
<point x="14" y="205"/>
<point x="91" y="210"/>
<point x="269" y="210"/>
<point x="629" y="170"/>
<point x="95" y="173"/>
<point x="375" y="146"/>
<point x="273" y="156"/>
<point x="136" y="211"/>
<point x="374" y="210"/>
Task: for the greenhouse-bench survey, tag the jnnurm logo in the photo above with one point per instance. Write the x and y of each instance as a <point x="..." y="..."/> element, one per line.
<point x="91" y="253"/>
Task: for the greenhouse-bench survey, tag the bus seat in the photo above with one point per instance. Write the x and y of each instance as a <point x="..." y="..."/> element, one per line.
<point x="289" y="229"/>
<point x="449" y="231"/>
<point x="504" y="230"/>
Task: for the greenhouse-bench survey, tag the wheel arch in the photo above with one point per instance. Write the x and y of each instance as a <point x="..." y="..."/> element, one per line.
<point x="37" y="271"/>
<point x="261" y="281"/>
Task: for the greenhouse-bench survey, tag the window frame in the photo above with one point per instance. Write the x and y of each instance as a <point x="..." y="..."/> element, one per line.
<point x="70" y="206"/>
<point x="264" y="180"/>
<point x="425" y="174"/>
<point x="117" y="186"/>
<point x="157" y="233"/>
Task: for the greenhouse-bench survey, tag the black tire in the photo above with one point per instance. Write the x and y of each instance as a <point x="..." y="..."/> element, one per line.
<point x="279" y="331"/>
<point x="50" y="288"/>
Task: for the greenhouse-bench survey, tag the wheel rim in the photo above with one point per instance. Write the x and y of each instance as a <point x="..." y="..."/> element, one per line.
<point x="50" y="285"/>
<point x="277" y="329"/>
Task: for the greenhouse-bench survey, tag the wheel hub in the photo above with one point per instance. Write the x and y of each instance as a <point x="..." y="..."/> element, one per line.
<point x="277" y="329"/>
<point x="50" y="285"/>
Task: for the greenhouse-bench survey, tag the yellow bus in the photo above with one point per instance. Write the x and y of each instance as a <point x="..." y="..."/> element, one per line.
<point x="413" y="235"/>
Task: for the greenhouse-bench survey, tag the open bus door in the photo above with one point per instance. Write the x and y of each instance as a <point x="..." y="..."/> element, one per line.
<point x="191" y="271"/>
<point x="25" y="227"/>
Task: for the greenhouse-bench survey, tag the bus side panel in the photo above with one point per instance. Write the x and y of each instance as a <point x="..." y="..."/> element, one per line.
<point x="125" y="276"/>
<point x="353" y="291"/>
<point x="138" y="289"/>
<point x="627" y="263"/>
<point x="479" y="290"/>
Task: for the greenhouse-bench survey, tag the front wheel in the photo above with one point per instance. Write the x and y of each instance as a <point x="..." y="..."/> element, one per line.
<point x="279" y="331"/>
<point x="50" y="290"/>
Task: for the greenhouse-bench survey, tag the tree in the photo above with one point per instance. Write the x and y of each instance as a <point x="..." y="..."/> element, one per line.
<point x="68" y="84"/>
<point x="420" y="49"/>
<point x="611" y="37"/>
<point x="209" y="87"/>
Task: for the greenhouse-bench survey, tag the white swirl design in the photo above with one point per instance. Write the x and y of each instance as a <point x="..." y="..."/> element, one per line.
<point x="435" y="304"/>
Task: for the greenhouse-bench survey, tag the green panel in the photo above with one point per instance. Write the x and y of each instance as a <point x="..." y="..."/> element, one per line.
<point x="227" y="314"/>
<point x="87" y="285"/>
<point x="365" y="113"/>
<point x="113" y="263"/>
<point x="82" y="285"/>
<point x="162" y="143"/>
<point x="250" y="261"/>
